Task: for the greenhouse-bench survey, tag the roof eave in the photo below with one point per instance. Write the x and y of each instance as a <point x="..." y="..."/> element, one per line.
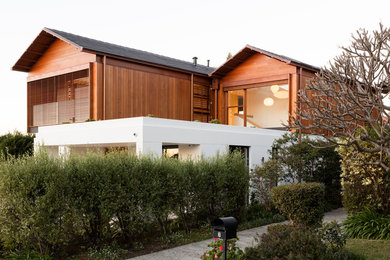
<point x="62" y="38"/>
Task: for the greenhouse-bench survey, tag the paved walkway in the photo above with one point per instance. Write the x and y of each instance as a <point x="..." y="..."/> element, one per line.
<point x="195" y="250"/>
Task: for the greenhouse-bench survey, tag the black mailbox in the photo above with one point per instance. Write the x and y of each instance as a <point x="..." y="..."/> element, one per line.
<point x="224" y="228"/>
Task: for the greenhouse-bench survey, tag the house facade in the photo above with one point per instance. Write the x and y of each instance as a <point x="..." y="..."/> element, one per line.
<point x="87" y="94"/>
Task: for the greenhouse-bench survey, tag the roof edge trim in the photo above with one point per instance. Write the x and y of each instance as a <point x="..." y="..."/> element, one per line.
<point x="48" y="30"/>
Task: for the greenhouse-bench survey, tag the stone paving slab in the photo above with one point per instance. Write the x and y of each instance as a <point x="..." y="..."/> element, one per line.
<point x="195" y="250"/>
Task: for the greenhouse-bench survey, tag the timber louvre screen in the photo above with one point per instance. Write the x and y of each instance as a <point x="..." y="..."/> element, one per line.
<point x="59" y="99"/>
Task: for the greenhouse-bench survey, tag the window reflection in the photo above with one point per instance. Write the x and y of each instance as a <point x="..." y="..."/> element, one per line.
<point x="266" y="107"/>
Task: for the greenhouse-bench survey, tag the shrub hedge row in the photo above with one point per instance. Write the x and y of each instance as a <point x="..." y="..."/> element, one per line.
<point x="47" y="204"/>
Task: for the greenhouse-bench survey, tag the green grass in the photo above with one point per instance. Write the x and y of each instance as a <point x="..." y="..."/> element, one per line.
<point x="370" y="249"/>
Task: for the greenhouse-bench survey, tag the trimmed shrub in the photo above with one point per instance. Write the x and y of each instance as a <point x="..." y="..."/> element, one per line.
<point x="367" y="225"/>
<point x="301" y="203"/>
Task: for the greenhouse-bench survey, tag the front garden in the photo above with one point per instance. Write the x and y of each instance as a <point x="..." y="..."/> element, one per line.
<point x="118" y="205"/>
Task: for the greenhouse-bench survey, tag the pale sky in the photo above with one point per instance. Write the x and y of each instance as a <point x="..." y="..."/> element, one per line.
<point x="310" y="31"/>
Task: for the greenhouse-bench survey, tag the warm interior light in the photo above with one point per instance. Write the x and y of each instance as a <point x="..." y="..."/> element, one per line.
<point x="274" y="88"/>
<point x="281" y="94"/>
<point x="268" y="102"/>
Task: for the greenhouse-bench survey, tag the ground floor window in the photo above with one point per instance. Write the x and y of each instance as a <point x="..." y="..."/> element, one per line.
<point x="244" y="150"/>
<point x="171" y="151"/>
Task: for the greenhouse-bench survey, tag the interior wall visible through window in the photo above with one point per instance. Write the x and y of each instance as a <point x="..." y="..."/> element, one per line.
<point x="266" y="106"/>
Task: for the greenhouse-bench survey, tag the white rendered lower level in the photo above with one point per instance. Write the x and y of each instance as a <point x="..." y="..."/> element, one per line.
<point x="146" y="135"/>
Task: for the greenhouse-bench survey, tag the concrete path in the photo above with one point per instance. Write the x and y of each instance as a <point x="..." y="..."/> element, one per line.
<point x="195" y="250"/>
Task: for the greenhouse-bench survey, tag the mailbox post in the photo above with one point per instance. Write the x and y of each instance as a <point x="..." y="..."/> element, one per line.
<point x="224" y="228"/>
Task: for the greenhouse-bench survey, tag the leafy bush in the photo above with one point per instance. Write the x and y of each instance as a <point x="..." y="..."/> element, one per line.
<point x="107" y="252"/>
<point x="295" y="242"/>
<point x="301" y="203"/>
<point x="288" y="242"/>
<point x="365" y="183"/>
<point x="332" y="235"/>
<point x="16" y="145"/>
<point x="368" y="225"/>
<point x="215" y="121"/>
<point x="216" y="251"/>
<point x="263" y="179"/>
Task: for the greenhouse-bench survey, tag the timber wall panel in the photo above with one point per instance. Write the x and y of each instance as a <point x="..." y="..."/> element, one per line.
<point x="258" y="66"/>
<point x="134" y="92"/>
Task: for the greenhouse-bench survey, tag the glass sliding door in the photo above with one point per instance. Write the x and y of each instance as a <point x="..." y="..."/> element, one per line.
<point x="236" y="107"/>
<point x="266" y="106"/>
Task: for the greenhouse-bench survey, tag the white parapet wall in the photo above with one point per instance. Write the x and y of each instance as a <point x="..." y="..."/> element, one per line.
<point x="148" y="135"/>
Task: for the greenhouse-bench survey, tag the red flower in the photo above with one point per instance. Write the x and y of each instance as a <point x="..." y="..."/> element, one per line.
<point x="215" y="238"/>
<point x="221" y="248"/>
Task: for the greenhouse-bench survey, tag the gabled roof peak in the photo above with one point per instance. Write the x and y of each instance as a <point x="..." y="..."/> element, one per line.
<point x="48" y="36"/>
<point x="250" y="50"/>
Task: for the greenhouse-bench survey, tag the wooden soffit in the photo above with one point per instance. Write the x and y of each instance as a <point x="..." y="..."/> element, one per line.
<point x="36" y="49"/>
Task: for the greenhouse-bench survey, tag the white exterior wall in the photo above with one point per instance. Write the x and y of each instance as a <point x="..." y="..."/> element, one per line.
<point x="149" y="134"/>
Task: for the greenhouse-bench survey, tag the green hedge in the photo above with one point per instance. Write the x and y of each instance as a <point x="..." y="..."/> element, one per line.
<point x="47" y="204"/>
<point x="301" y="203"/>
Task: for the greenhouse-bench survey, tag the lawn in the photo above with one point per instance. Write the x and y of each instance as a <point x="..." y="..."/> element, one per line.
<point x="370" y="249"/>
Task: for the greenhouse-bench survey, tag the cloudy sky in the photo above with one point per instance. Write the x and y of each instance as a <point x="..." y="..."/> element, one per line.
<point x="309" y="31"/>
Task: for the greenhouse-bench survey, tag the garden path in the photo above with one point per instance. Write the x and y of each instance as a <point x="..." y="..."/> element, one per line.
<point x="195" y="250"/>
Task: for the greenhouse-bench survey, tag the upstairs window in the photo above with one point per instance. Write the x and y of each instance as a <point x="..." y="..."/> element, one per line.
<point x="59" y="100"/>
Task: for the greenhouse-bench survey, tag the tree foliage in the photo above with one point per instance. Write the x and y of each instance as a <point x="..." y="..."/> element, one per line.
<point x="263" y="179"/>
<point x="347" y="104"/>
<point x="16" y="145"/>
<point x="365" y="184"/>
<point x="305" y="159"/>
<point x="346" y="99"/>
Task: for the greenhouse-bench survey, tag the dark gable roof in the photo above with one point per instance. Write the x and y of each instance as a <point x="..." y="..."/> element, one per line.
<point x="248" y="51"/>
<point x="100" y="47"/>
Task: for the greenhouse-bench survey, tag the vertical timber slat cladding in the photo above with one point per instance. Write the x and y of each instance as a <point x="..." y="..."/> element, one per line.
<point x="132" y="90"/>
<point x="59" y="56"/>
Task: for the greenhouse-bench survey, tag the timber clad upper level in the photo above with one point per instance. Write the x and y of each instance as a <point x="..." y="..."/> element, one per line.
<point x="73" y="78"/>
